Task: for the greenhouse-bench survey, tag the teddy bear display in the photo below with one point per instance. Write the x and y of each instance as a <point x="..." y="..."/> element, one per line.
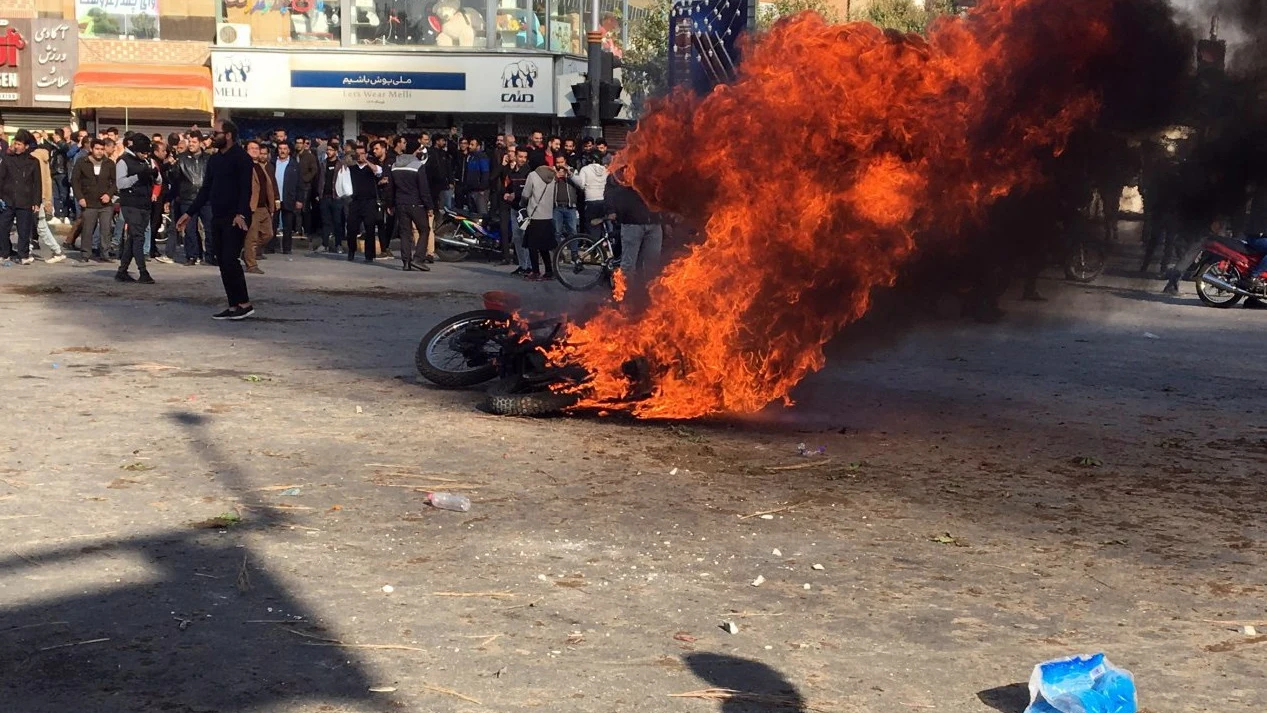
<point x="458" y="26"/>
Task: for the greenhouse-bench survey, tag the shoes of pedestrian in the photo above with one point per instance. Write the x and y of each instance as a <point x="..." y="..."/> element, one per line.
<point x="1171" y="288"/>
<point x="431" y="258"/>
<point x="28" y="260"/>
<point x="531" y="276"/>
<point x="56" y="258"/>
<point x="123" y="276"/>
<point x="351" y="257"/>
<point x="518" y="271"/>
<point x="254" y="271"/>
<point x="145" y="278"/>
<point x="164" y="259"/>
<point x="98" y="258"/>
<point x="234" y="313"/>
<point x="68" y="246"/>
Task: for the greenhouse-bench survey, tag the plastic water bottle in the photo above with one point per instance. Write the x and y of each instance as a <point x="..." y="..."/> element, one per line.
<point x="449" y="501"/>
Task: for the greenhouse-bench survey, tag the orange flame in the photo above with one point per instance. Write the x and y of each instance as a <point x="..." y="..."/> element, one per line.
<point x="813" y="176"/>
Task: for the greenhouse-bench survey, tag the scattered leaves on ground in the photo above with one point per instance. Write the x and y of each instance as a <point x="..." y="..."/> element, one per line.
<point x="946" y="538"/>
<point x="1087" y="462"/>
<point x="137" y="466"/>
<point x="221" y="521"/>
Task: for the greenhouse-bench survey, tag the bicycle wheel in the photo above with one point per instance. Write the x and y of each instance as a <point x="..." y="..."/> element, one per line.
<point x="581" y="262"/>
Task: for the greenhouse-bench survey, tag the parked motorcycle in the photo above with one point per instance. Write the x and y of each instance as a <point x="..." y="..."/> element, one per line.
<point x="1221" y="265"/>
<point x="499" y="343"/>
<point x="459" y="235"/>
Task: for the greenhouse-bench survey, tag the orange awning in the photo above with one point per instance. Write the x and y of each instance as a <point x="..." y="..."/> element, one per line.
<point x="142" y="86"/>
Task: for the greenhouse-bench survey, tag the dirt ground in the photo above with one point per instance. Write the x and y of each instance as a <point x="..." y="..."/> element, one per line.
<point x="1086" y="476"/>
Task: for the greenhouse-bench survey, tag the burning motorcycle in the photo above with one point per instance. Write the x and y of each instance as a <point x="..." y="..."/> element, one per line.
<point x="498" y="343"/>
<point x="458" y="235"/>
<point x="1221" y="266"/>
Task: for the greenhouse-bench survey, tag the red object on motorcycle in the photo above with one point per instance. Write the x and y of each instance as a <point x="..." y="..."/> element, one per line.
<point x="501" y="301"/>
<point x="1241" y="258"/>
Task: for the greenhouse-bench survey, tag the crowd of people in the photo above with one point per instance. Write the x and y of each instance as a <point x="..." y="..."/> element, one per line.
<point x="123" y="194"/>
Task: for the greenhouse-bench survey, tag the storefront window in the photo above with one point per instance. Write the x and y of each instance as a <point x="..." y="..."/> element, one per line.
<point x="521" y="24"/>
<point x="126" y="19"/>
<point x="272" y="23"/>
<point x="567" y="26"/>
<point x="442" y="24"/>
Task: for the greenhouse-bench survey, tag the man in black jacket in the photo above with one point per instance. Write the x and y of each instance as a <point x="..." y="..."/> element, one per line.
<point x="135" y="177"/>
<point x="363" y="210"/>
<point x="191" y="171"/>
<point x="227" y="189"/>
<point x="440" y="173"/>
<point x="20" y="193"/>
<point x="412" y="201"/>
<point x="641" y="236"/>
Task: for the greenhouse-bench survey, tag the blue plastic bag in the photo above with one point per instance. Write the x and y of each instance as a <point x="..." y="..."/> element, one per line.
<point x="1081" y="684"/>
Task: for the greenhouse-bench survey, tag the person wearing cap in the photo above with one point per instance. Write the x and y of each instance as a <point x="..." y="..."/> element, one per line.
<point x="135" y="176"/>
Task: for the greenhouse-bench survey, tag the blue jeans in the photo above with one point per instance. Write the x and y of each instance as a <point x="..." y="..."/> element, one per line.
<point x="446" y="198"/>
<point x="61" y="190"/>
<point x="1259" y="244"/>
<point x="193" y="246"/>
<point x="566" y="222"/>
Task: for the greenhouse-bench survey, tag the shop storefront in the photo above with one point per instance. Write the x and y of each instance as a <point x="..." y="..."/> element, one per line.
<point x="375" y="92"/>
<point x="38" y="58"/>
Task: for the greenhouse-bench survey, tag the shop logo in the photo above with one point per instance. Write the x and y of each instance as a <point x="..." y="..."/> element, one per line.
<point x="235" y="70"/>
<point x="232" y="77"/>
<point x="10" y="42"/>
<point x="516" y="78"/>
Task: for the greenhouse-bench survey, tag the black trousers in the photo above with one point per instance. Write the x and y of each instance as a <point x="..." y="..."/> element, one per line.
<point x="287" y="219"/>
<point x="156" y="227"/>
<point x="228" y="242"/>
<point x="409" y="217"/>
<point x="25" y="220"/>
<point x="362" y="217"/>
<point x="135" y="220"/>
<point x="386" y="229"/>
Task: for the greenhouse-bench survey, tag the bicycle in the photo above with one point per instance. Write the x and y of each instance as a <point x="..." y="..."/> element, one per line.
<point x="582" y="261"/>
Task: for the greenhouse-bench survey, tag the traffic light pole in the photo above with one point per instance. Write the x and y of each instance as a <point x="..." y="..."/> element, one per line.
<point x="594" y="129"/>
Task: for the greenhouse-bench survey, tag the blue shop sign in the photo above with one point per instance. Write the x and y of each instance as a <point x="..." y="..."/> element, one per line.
<point x="428" y="81"/>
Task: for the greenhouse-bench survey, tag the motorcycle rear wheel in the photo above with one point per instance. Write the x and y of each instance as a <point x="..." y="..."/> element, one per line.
<point x="439" y="362"/>
<point x="449" y="253"/>
<point x="1215" y="296"/>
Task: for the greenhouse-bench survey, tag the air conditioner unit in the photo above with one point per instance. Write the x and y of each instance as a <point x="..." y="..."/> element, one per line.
<point x="229" y="34"/>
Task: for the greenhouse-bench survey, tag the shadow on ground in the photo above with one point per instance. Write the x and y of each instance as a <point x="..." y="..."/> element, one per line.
<point x="1012" y="698"/>
<point x="203" y="629"/>
<point x="755" y="686"/>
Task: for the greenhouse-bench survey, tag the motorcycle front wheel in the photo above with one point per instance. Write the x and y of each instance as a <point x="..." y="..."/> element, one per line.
<point x="1213" y="295"/>
<point x="462" y="350"/>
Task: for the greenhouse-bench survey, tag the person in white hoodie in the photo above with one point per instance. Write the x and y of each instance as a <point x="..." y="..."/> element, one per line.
<point x="592" y="180"/>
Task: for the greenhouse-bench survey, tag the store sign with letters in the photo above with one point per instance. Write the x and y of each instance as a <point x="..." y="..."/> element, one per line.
<point x="430" y="82"/>
<point x="38" y="59"/>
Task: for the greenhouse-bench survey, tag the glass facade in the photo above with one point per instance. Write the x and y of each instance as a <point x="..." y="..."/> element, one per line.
<point x="546" y="25"/>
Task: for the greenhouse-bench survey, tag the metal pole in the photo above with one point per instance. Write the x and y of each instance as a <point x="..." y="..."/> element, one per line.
<point x="594" y="129"/>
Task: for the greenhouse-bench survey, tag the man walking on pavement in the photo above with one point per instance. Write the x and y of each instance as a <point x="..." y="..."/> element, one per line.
<point x="134" y="175"/>
<point x="264" y="205"/>
<point x="333" y="210"/>
<point x="227" y="188"/>
<point x="308" y="170"/>
<point x="20" y="194"/>
<point x="412" y="199"/>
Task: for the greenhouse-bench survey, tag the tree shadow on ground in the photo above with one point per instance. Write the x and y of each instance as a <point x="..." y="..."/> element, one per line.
<point x="757" y="686"/>
<point x="1012" y="698"/>
<point x="183" y="620"/>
